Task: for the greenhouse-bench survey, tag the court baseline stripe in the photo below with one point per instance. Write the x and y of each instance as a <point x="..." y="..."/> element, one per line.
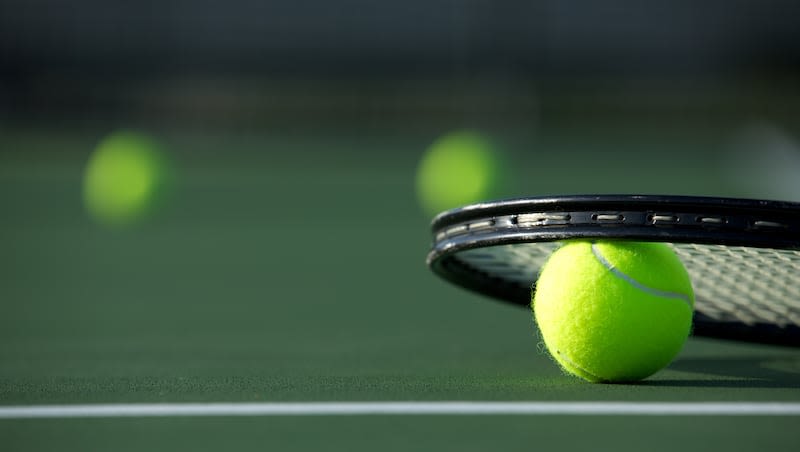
<point x="402" y="408"/>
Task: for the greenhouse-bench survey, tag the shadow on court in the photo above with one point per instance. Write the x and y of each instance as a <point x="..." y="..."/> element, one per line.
<point x="737" y="372"/>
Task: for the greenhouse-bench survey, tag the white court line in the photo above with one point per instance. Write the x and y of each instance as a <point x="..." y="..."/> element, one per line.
<point x="403" y="408"/>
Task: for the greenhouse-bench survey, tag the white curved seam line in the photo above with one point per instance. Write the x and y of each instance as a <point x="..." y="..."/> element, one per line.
<point x="651" y="290"/>
<point x="572" y="363"/>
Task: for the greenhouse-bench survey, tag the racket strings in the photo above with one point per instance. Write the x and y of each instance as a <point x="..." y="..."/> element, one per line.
<point x="749" y="285"/>
<point x="744" y="285"/>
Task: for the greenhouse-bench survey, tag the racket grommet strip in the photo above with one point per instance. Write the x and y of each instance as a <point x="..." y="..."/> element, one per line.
<point x="608" y="217"/>
<point x="543" y="219"/>
<point x="663" y="219"/>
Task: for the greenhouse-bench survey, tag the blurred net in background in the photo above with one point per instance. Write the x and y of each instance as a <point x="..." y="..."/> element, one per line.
<point x="630" y="96"/>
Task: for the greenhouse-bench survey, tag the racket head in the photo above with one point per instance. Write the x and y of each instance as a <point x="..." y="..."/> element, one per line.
<point x="743" y="255"/>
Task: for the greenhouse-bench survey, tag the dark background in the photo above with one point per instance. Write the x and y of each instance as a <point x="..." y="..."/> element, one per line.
<point x="241" y="58"/>
<point x="708" y="89"/>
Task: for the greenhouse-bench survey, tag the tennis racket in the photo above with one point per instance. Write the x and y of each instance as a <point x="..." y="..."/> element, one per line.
<point x="742" y="255"/>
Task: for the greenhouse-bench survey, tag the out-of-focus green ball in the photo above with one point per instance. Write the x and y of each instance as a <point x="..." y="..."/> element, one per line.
<point x="124" y="178"/>
<point x="457" y="169"/>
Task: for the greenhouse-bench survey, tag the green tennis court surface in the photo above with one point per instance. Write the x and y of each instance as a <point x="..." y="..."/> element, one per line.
<point x="288" y="266"/>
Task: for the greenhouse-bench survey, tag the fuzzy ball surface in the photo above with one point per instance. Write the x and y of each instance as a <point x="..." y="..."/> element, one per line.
<point x="613" y="311"/>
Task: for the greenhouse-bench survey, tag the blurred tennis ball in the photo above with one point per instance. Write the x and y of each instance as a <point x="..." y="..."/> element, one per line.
<point x="459" y="168"/>
<point x="125" y="177"/>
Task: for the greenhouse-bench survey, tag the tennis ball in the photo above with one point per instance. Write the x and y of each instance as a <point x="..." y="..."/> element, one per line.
<point x="613" y="311"/>
<point x="459" y="168"/>
<point x="124" y="178"/>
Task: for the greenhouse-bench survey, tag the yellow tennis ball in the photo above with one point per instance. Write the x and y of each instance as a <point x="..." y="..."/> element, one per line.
<point x="613" y="311"/>
<point x="457" y="169"/>
<point x="123" y="179"/>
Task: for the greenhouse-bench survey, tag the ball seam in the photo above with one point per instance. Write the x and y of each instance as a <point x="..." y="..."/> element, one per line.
<point x="638" y="285"/>
<point x="581" y="368"/>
